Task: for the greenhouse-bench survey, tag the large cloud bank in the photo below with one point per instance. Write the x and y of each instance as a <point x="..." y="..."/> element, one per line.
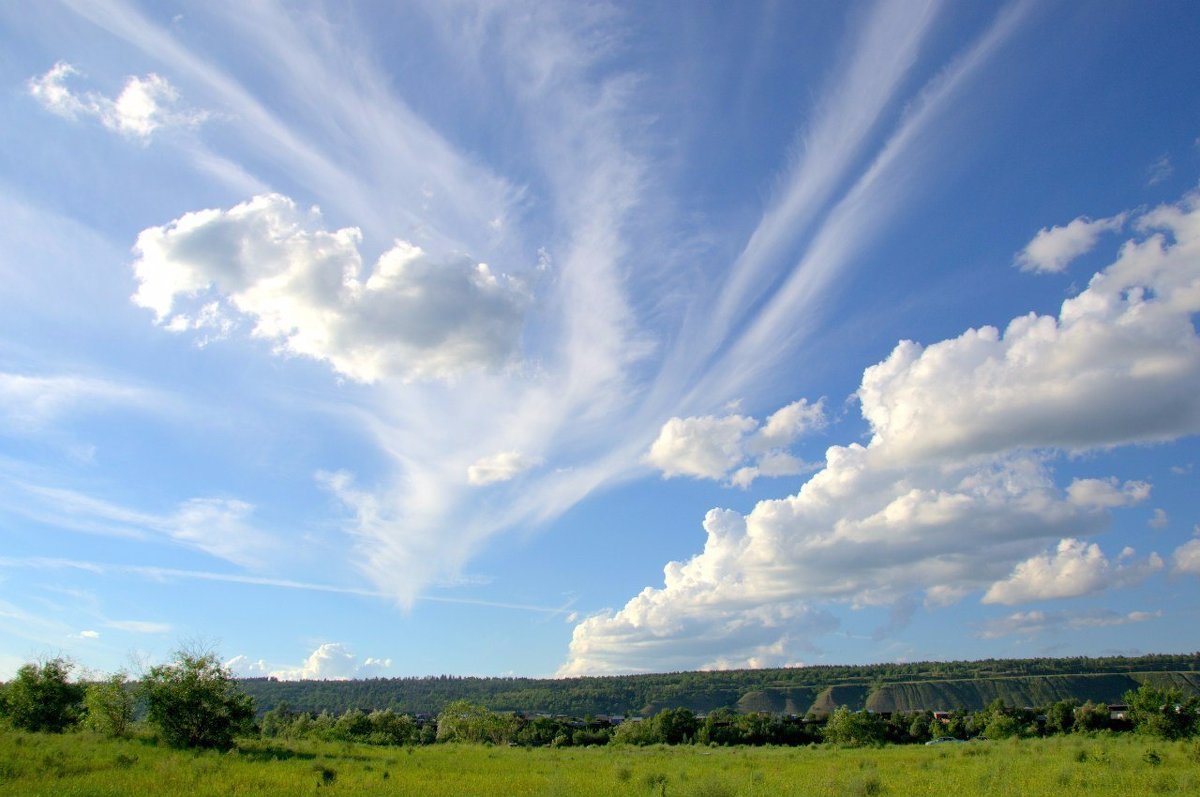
<point x="303" y="286"/>
<point x="952" y="495"/>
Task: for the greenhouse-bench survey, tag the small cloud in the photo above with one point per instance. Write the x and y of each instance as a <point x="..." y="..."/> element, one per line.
<point x="736" y="447"/>
<point x="89" y="634"/>
<point x="1039" y="623"/>
<point x="144" y="106"/>
<point x="1182" y="470"/>
<point x="1186" y="559"/>
<point x="331" y="661"/>
<point x="1160" y="170"/>
<point x="500" y="467"/>
<point x="1053" y="248"/>
<point x="1106" y="493"/>
<point x="1074" y="568"/>
<point x="1159" y="520"/>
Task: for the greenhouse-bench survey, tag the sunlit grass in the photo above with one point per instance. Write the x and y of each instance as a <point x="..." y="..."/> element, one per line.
<point x="81" y="764"/>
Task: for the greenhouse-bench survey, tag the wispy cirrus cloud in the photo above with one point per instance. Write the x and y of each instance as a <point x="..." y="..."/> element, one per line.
<point x="1040" y="623"/>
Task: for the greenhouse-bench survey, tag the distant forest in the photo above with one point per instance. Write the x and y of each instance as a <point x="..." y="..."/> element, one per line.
<point x="919" y="686"/>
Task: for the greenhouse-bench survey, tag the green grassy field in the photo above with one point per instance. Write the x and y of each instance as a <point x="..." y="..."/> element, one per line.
<point x="80" y="764"/>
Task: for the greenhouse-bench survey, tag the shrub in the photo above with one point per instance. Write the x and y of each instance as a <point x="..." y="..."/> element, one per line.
<point x="42" y="698"/>
<point x="194" y="702"/>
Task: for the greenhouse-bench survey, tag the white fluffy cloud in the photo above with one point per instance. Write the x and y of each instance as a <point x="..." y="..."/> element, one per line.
<point x="1074" y="568"/>
<point x="1038" y="623"/>
<point x="499" y="467"/>
<point x="331" y="661"/>
<point x="302" y="285"/>
<point x="1053" y="248"/>
<point x="1107" y="493"/>
<point x="952" y="494"/>
<point x="144" y="106"/>
<point x="1186" y="558"/>
<point x="711" y="447"/>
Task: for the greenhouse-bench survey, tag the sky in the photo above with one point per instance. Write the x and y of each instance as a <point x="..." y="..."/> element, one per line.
<point x="548" y="339"/>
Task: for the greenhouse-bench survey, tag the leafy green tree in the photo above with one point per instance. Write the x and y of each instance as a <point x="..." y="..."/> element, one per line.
<point x="42" y="698"/>
<point x="854" y="728"/>
<point x="1002" y="726"/>
<point x="633" y="731"/>
<point x="1163" y="712"/>
<point x="462" y="721"/>
<point x="109" y="705"/>
<point x="278" y="721"/>
<point x="676" y="725"/>
<point x="1060" y="717"/>
<point x="194" y="701"/>
<point x="1091" y="717"/>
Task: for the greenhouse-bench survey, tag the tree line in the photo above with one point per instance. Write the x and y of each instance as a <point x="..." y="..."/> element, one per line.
<point x="194" y="702"/>
<point x="649" y="693"/>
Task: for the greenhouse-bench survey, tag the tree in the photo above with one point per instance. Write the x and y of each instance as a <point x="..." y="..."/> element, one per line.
<point x="1060" y="717"/>
<point x="42" y="698"/>
<point x="1163" y="712"/>
<point x="854" y="728"/>
<point x="109" y="706"/>
<point x="462" y="721"/>
<point x="1091" y="717"/>
<point x="193" y="701"/>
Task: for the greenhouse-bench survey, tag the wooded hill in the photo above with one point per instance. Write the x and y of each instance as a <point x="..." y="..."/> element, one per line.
<point x="920" y="686"/>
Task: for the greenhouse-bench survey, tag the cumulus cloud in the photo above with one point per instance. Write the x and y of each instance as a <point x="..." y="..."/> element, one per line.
<point x="1107" y="493"/>
<point x="1039" y="623"/>
<point x="88" y="634"/>
<point x="1074" y="568"/>
<point x="1160" y="519"/>
<point x="1053" y="248"/>
<point x="712" y="447"/>
<point x="331" y="661"/>
<point x="145" y="105"/>
<point x="499" y="467"/>
<point x="1186" y="558"/>
<point x="412" y="316"/>
<point x="952" y="495"/>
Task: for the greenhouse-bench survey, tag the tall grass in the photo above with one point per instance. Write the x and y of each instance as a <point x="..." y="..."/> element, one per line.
<point x="82" y="764"/>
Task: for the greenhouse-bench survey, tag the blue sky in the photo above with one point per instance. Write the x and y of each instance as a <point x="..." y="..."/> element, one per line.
<point x="538" y="338"/>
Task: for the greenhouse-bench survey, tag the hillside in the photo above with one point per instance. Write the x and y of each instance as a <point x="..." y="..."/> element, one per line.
<point x="880" y="687"/>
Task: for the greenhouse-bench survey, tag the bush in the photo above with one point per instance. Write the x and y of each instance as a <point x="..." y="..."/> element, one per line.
<point x="109" y="706"/>
<point x="43" y="698"/>
<point x="194" y="702"/>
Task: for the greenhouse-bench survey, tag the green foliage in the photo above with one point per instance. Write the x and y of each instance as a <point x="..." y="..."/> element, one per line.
<point x="1163" y="712"/>
<point x="42" y="698"/>
<point x="109" y="706"/>
<point x="854" y="728"/>
<point x="193" y="701"/>
<point x="1060" y="717"/>
<point x="903" y="688"/>
<point x="465" y="722"/>
<point x="1091" y="717"/>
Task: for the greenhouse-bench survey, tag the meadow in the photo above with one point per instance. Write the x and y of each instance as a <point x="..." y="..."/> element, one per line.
<point x="65" y="765"/>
